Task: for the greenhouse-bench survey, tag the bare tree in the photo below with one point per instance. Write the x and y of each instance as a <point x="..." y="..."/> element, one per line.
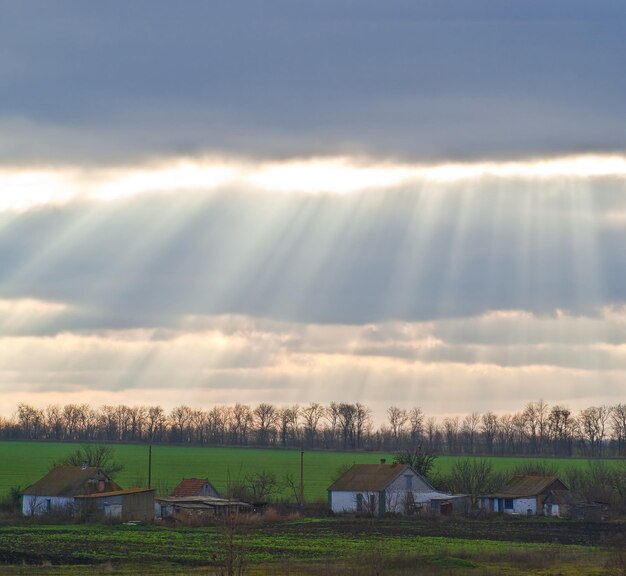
<point x="108" y="422"/>
<point x="30" y="420"/>
<point x="618" y="422"/>
<point x="347" y="413"/>
<point x="266" y="419"/>
<point x="362" y="422"/>
<point x="473" y="476"/>
<point x="536" y="416"/>
<point x="180" y="418"/>
<point x="54" y="422"/>
<point x="261" y="486"/>
<point x="398" y="419"/>
<point x="332" y="416"/>
<point x="592" y="423"/>
<point x="451" y="431"/>
<point x="241" y="420"/>
<point x="97" y="455"/>
<point x="312" y="414"/>
<point x="155" y="423"/>
<point x="469" y="430"/>
<point x="419" y="460"/>
<point x="560" y="427"/>
<point x="489" y="429"/>
<point x="416" y="420"/>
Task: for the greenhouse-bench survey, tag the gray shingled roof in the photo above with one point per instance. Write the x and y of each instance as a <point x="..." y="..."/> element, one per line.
<point x="71" y="481"/>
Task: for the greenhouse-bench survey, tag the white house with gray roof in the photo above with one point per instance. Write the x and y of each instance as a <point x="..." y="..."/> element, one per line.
<point x="397" y="488"/>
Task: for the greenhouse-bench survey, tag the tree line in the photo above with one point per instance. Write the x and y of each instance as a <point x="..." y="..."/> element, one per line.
<point x="538" y="429"/>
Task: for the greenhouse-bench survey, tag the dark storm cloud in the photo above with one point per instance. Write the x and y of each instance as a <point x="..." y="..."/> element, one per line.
<point x="115" y="81"/>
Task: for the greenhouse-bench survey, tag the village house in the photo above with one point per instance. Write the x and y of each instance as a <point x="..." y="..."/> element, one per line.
<point x="56" y="491"/>
<point x="194" y="487"/>
<point x="398" y="488"/>
<point x="196" y="498"/>
<point x="86" y="490"/>
<point x="522" y="495"/>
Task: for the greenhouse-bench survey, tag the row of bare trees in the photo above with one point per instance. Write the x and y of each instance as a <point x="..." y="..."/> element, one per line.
<point x="538" y="429"/>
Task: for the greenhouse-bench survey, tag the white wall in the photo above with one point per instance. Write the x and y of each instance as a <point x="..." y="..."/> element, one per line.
<point x="417" y="484"/>
<point x="346" y="501"/>
<point x="37" y="505"/>
<point x="522" y="505"/>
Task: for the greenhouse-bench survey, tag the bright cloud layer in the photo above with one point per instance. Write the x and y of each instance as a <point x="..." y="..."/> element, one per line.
<point x="229" y="359"/>
<point x="22" y="188"/>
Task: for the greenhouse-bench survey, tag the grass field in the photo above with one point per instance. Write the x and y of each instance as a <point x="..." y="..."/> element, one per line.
<point x="22" y="463"/>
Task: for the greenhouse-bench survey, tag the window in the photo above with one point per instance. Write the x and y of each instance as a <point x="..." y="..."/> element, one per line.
<point x="48" y="505"/>
<point x="408" y="482"/>
<point x="508" y="503"/>
<point x="359" y="502"/>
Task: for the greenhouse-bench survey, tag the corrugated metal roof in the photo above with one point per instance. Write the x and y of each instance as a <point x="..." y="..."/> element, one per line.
<point x="200" y="502"/>
<point x="520" y="486"/>
<point x="423" y="497"/>
<point x="192" y="487"/>
<point x="71" y="481"/>
<point x="368" y="477"/>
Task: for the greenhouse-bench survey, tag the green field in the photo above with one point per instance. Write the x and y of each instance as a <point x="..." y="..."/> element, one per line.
<point x="331" y="547"/>
<point x="22" y="463"/>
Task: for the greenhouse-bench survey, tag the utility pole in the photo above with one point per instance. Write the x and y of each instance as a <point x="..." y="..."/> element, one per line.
<point x="150" y="466"/>
<point x="301" y="477"/>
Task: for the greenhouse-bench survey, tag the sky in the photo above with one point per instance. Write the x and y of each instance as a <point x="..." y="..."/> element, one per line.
<point x="411" y="203"/>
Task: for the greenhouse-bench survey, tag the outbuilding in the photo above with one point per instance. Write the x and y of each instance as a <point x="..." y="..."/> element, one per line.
<point x="522" y="495"/>
<point x="130" y="505"/>
<point x="186" y="508"/>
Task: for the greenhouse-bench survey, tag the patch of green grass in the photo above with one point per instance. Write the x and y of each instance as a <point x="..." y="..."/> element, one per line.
<point x="26" y="462"/>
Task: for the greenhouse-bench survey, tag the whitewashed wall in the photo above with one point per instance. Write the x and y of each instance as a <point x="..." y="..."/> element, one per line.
<point x="417" y="483"/>
<point x="346" y="501"/>
<point x="37" y="505"/>
<point x="522" y="505"/>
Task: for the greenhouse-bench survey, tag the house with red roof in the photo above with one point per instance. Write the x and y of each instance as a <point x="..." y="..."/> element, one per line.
<point x="194" y="487"/>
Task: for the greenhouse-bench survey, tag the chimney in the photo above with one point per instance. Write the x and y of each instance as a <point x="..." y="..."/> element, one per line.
<point x="383" y="461"/>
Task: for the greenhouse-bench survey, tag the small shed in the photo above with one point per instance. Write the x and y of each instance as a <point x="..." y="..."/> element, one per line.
<point x="195" y="487"/>
<point x="571" y="504"/>
<point x="131" y="505"/>
<point x="522" y="495"/>
<point x="379" y="488"/>
<point x="197" y="507"/>
<point x="56" y="491"/>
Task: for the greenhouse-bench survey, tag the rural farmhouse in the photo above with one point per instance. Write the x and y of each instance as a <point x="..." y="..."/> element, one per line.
<point x="74" y="489"/>
<point x="380" y="488"/>
<point x="523" y="495"/>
